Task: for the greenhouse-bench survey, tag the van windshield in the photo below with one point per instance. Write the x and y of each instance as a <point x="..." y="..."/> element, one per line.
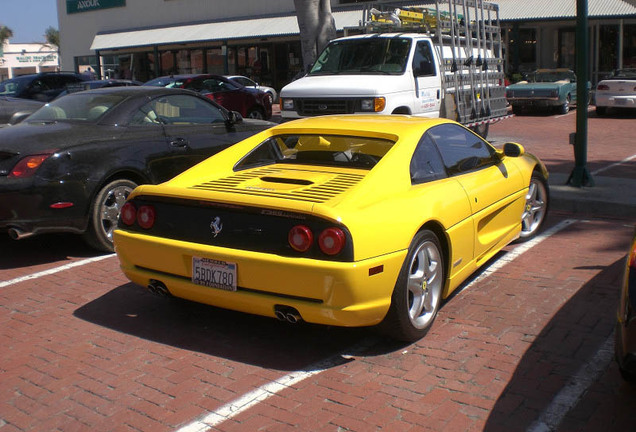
<point x="379" y="55"/>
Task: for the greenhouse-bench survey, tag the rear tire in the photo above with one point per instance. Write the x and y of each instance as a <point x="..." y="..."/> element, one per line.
<point x="256" y="113"/>
<point x="104" y="213"/>
<point x="601" y="111"/>
<point x="417" y="294"/>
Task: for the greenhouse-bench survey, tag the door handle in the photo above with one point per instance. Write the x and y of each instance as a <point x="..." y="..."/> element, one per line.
<point x="179" y="143"/>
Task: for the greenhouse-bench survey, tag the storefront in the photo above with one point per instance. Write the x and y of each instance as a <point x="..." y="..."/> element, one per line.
<point x="22" y="59"/>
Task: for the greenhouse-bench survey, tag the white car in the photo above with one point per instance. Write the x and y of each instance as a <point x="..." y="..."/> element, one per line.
<point x="616" y="91"/>
<point x="247" y="82"/>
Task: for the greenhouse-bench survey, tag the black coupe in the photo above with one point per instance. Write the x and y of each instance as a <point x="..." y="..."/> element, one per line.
<point x="70" y="166"/>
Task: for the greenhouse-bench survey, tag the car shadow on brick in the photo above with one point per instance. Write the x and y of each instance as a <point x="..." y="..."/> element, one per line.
<point x="260" y="341"/>
<point x="570" y="340"/>
<point x="42" y="249"/>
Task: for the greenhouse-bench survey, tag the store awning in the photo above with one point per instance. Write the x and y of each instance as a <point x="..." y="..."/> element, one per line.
<point x="226" y="30"/>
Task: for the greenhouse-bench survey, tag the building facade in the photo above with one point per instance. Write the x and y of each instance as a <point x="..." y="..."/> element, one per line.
<point x="142" y="39"/>
<point x="21" y="59"/>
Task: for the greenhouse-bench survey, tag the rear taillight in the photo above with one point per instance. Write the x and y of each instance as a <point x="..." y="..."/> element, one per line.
<point x="146" y="216"/>
<point x="300" y="238"/>
<point x="602" y="87"/>
<point x="128" y="214"/>
<point x="27" y="166"/>
<point x="332" y="241"/>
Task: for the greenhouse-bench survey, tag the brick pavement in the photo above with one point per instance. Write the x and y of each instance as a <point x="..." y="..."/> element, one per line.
<point x="85" y="350"/>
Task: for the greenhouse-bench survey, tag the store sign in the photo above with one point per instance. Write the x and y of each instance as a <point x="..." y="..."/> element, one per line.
<point x="37" y="58"/>
<point x="75" y="6"/>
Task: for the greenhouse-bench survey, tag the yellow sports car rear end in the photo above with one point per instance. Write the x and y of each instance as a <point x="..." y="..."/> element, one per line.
<point x="348" y="221"/>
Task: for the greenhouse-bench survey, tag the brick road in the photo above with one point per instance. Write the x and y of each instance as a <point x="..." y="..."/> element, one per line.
<point x="83" y="349"/>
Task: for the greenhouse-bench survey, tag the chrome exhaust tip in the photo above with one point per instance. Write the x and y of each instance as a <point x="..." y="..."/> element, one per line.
<point x="158" y="288"/>
<point x="17" y="234"/>
<point x="287" y="313"/>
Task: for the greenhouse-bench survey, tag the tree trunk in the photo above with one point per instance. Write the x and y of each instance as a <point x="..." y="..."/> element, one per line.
<point x="317" y="28"/>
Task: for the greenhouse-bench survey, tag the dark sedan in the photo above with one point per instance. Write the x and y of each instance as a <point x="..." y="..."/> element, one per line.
<point x="250" y="102"/>
<point x="625" y="347"/>
<point x="71" y="165"/>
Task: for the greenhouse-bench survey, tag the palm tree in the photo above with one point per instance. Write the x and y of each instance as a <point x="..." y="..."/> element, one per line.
<point x="317" y="27"/>
<point x="5" y="34"/>
<point x="52" y="36"/>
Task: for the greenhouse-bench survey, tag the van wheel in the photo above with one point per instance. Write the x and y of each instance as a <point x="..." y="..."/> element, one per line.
<point x="481" y="130"/>
<point x="104" y="213"/>
<point x="418" y="291"/>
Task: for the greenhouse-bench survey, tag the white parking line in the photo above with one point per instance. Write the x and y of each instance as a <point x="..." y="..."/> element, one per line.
<point x="252" y="398"/>
<point x="570" y="394"/>
<point x="237" y="406"/>
<point x="624" y="161"/>
<point x="54" y="270"/>
<point x="518" y="251"/>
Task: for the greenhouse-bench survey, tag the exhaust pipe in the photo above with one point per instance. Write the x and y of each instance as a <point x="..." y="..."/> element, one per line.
<point x="287" y="313"/>
<point x="17" y="233"/>
<point x="158" y="288"/>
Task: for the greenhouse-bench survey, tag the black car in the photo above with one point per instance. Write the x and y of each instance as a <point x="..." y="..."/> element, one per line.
<point x="43" y="87"/>
<point x="625" y="347"/>
<point x="71" y="165"/>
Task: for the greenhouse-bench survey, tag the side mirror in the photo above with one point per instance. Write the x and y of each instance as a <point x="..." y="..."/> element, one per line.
<point x="513" y="149"/>
<point x="19" y="116"/>
<point x="234" y="117"/>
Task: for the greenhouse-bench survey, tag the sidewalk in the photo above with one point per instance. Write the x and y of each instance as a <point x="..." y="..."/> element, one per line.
<point x="609" y="197"/>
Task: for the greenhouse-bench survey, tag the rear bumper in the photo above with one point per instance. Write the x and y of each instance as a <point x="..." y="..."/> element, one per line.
<point x="323" y="292"/>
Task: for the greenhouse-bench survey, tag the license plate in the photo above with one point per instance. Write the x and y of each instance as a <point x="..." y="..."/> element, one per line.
<point x="214" y="274"/>
<point x="621" y="102"/>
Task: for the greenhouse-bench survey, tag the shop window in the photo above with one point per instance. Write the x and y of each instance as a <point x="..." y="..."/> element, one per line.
<point x="629" y="46"/>
<point x="215" y="61"/>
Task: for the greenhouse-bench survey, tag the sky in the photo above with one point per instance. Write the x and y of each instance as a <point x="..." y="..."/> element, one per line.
<point x="28" y="18"/>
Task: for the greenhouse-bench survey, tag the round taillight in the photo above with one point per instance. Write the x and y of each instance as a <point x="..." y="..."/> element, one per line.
<point x="146" y="216"/>
<point x="332" y="241"/>
<point x="300" y="238"/>
<point x="128" y="213"/>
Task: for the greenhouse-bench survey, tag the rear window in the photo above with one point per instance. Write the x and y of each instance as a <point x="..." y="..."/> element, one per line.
<point x="326" y="150"/>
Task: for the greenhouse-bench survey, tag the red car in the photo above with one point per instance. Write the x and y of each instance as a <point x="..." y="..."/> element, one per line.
<point x="251" y="103"/>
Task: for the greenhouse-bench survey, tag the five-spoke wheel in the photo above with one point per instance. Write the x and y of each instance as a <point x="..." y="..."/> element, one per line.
<point x="418" y="291"/>
<point x="536" y="208"/>
<point x="105" y="213"/>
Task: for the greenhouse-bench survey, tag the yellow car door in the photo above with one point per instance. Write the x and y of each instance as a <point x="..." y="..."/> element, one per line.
<point x="493" y="185"/>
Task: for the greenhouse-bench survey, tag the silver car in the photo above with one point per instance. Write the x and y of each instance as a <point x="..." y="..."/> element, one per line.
<point x="616" y="91"/>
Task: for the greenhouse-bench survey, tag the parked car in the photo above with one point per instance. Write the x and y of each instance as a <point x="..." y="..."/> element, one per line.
<point x="17" y="108"/>
<point x="544" y="89"/>
<point x="248" y="82"/>
<point x="625" y="346"/>
<point x="616" y="91"/>
<point x="70" y="166"/>
<point x="43" y="87"/>
<point x="338" y="220"/>
<point x="251" y="103"/>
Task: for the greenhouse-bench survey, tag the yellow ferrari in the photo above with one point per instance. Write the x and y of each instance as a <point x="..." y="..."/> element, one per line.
<point x="337" y="220"/>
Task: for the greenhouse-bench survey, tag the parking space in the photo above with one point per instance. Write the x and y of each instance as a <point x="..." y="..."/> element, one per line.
<point x="525" y="345"/>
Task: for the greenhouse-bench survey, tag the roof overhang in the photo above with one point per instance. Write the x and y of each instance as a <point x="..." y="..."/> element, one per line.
<point x="214" y="31"/>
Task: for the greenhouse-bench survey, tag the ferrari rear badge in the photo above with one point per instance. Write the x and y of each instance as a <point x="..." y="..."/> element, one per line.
<point x="216" y="226"/>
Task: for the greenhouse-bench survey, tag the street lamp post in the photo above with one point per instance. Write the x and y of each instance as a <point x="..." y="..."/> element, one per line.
<point x="580" y="176"/>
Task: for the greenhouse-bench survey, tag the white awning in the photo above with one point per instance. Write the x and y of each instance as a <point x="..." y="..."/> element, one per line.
<point x="227" y="30"/>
